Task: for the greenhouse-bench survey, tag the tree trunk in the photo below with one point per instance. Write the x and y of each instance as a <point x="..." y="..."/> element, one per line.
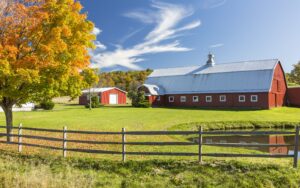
<point x="9" y="121"/>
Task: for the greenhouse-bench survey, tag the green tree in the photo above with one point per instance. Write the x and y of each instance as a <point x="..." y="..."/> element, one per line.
<point x="90" y="77"/>
<point x="138" y="99"/>
<point x="43" y="47"/>
<point x="295" y="74"/>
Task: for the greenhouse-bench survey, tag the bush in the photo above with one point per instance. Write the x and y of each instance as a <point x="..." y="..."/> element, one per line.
<point x="47" y="105"/>
<point x="138" y="99"/>
<point x="95" y="103"/>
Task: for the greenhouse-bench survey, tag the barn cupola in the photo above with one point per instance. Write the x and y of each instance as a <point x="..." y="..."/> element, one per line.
<point x="210" y="62"/>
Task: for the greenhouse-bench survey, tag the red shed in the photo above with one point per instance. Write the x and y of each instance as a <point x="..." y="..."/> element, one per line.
<point x="294" y="96"/>
<point x="106" y="95"/>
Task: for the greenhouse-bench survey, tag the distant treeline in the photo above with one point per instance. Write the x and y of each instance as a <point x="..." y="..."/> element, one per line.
<point x="127" y="81"/>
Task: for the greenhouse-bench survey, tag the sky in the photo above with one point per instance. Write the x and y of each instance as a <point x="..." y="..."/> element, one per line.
<point x="140" y="34"/>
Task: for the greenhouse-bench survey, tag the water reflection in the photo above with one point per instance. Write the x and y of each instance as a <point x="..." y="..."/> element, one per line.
<point x="256" y="139"/>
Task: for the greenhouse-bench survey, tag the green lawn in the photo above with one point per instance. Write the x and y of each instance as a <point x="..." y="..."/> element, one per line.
<point x="114" y="118"/>
<point x="144" y="171"/>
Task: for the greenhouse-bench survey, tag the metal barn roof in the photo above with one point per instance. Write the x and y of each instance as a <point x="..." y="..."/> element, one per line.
<point x="154" y="89"/>
<point x="100" y="90"/>
<point x="247" y="76"/>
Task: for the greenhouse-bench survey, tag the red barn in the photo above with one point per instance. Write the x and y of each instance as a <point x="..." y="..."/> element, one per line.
<point x="249" y="84"/>
<point x="107" y="95"/>
<point x="294" y="96"/>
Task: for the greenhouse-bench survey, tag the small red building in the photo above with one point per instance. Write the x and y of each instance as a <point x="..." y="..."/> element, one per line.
<point x="248" y="84"/>
<point x="107" y="95"/>
<point x="294" y="96"/>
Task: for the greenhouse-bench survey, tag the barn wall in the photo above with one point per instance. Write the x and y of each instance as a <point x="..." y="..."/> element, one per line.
<point x="232" y="101"/>
<point x="154" y="100"/>
<point x="121" y="96"/>
<point x="277" y="95"/>
<point x="294" y="96"/>
<point x="83" y="99"/>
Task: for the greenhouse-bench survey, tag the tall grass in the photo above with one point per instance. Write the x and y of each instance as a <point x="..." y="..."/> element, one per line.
<point x="36" y="171"/>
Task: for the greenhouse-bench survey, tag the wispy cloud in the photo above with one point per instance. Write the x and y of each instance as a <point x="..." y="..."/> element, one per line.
<point x="216" y="45"/>
<point x="129" y="35"/>
<point x="144" y="16"/>
<point x="209" y="4"/>
<point x="166" y="18"/>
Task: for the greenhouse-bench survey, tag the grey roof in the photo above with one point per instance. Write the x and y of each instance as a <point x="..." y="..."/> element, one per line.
<point x="247" y="76"/>
<point x="100" y="90"/>
<point x="154" y="89"/>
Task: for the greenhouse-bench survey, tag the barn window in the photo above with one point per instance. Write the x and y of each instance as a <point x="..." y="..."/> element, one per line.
<point x="242" y="98"/>
<point x="158" y="98"/>
<point x="254" y="98"/>
<point x="208" y="98"/>
<point x="222" y="98"/>
<point x="182" y="98"/>
<point x="171" y="98"/>
<point x="195" y="99"/>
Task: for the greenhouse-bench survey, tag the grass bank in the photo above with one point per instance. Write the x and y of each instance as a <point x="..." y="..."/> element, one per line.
<point x="36" y="171"/>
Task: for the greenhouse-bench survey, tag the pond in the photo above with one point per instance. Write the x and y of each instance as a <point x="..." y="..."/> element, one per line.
<point x="255" y="139"/>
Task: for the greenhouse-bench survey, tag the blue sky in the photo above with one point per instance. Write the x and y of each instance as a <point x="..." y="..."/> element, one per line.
<point x="139" y="34"/>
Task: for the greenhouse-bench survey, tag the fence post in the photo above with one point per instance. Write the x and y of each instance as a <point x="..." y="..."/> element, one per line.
<point x="123" y="145"/>
<point x="20" y="138"/>
<point x="200" y="144"/>
<point x="65" y="141"/>
<point x="296" y="147"/>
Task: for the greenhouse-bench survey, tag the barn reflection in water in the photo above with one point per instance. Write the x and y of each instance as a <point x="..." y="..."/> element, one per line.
<point x="256" y="139"/>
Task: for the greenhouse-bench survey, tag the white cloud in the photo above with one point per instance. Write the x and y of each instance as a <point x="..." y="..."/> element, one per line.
<point x="99" y="46"/>
<point x="216" y="45"/>
<point x="143" y="16"/>
<point x="166" y="19"/>
<point x="209" y="4"/>
<point x="96" y="31"/>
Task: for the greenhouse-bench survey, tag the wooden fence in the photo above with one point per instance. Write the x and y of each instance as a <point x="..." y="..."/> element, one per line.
<point x="64" y="140"/>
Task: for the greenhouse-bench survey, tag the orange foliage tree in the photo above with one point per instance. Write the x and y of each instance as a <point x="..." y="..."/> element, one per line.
<point x="43" y="48"/>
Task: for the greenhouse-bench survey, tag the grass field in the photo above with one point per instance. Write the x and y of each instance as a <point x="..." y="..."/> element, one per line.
<point x="140" y="171"/>
<point x="116" y="117"/>
<point x="39" y="172"/>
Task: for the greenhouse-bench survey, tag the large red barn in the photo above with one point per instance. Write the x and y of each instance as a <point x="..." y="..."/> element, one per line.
<point x="249" y="84"/>
<point x="107" y="95"/>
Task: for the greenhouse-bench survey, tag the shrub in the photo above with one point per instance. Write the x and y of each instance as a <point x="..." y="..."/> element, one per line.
<point x="95" y="102"/>
<point x="138" y="99"/>
<point x="47" y="105"/>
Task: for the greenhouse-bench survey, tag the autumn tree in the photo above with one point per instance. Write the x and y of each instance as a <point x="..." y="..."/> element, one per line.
<point x="43" y="48"/>
<point x="128" y="81"/>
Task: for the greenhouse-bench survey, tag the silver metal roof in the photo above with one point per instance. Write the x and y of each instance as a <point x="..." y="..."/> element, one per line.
<point x="100" y="90"/>
<point x="247" y="76"/>
<point x="154" y="89"/>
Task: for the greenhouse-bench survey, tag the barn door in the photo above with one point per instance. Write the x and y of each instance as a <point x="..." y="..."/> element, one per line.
<point x="113" y="99"/>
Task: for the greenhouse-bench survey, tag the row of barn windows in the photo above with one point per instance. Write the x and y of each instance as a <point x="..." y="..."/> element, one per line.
<point x="222" y="98"/>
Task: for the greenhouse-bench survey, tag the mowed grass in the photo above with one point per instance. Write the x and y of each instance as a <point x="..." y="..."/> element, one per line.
<point x="92" y="170"/>
<point x="113" y="118"/>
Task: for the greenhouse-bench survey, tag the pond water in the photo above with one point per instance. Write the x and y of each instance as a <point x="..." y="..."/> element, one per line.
<point x="256" y="139"/>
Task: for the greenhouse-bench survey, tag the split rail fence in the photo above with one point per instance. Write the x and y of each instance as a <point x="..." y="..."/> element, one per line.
<point x="123" y="142"/>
